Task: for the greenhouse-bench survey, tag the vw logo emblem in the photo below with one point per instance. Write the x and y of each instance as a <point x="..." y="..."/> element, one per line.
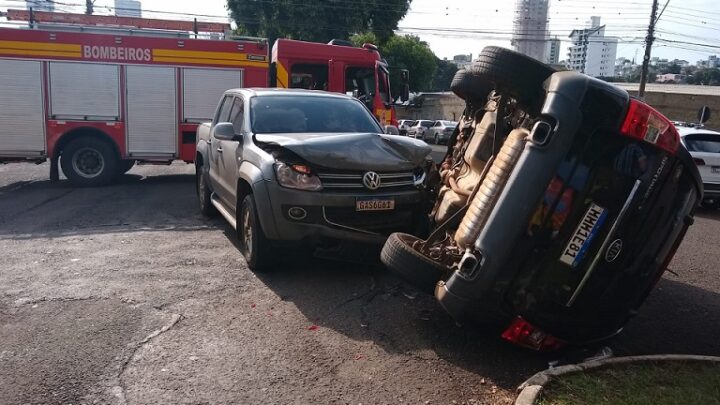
<point x="371" y="180"/>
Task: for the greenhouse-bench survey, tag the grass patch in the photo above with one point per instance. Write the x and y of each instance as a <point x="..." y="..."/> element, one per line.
<point x="639" y="384"/>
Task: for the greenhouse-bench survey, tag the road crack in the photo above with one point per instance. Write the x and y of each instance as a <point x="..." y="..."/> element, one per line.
<point x="120" y="388"/>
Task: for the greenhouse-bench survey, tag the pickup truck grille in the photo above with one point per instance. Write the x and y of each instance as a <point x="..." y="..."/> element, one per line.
<point x="354" y="181"/>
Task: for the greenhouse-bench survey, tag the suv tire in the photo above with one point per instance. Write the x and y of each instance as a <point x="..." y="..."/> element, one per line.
<point x="512" y="73"/>
<point x="412" y="266"/>
<point x="253" y="244"/>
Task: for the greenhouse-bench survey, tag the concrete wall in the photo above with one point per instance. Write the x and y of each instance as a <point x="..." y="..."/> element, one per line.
<point x="676" y="106"/>
<point x="445" y="106"/>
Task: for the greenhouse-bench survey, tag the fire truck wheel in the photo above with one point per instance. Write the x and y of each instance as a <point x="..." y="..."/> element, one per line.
<point x="512" y="73"/>
<point x="89" y="162"/>
<point x="412" y="266"/>
<point x="253" y="244"/>
<point x="204" y="194"/>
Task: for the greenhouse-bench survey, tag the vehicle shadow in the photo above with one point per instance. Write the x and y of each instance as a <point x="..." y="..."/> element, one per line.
<point x="366" y="302"/>
<point x="708" y="213"/>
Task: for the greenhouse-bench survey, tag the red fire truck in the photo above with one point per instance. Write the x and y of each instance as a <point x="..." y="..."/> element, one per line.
<point x="94" y="96"/>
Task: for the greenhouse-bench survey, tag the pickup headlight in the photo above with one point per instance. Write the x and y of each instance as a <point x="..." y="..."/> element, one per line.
<point x="298" y="177"/>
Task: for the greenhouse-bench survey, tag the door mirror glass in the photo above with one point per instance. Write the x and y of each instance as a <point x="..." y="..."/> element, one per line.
<point x="704" y="114"/>
<point x="225" y="131"/>
<point x="405" y="96"/>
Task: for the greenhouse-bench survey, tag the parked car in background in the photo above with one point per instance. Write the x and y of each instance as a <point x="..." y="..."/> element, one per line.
<point x="704" y="147"/>
<point x="560" y="205"/>
<point x="418" y="128"/>
<point x="306" y="168"/>
<point x="403" y="126"/>
<point x="439" y="132"/>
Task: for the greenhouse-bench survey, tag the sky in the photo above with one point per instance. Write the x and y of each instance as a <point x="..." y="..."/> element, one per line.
<point x="688" y="29"/>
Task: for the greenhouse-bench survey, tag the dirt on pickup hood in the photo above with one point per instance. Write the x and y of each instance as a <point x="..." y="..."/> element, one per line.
<point x="361" y="151"/>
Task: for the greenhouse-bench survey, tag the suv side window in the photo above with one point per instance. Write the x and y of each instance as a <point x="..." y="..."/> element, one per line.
<point x="224" y="110"/>
<point x="237" y="114"/>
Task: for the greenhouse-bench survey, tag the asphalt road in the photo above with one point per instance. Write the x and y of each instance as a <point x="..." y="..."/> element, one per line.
<point x="126" y="295"/>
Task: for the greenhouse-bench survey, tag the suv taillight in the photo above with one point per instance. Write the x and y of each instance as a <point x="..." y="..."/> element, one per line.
<point x="647" y="124"/>
<point x="523" y="333"/>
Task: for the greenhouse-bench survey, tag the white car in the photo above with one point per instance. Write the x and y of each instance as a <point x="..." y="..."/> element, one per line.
<point x="704" y="147"/>
<point x="417" y="130"/>
<point x="403" y="126"/>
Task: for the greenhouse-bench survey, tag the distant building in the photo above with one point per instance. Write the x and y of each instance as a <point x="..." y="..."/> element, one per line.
<point x="40" y="5"/>
<point x="552" y="51"/>
<point x="591" y="51"/>
<point x="128" y="8"/>
<point x="530" y="28"/>
<point x="624" y="67"/>
<point x="461" y="61"/>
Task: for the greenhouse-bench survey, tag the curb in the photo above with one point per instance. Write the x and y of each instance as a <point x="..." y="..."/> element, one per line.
<point x="531" y="389"/>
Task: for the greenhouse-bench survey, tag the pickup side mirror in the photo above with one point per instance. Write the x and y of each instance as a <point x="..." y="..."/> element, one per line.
<point x="225" y="131"/>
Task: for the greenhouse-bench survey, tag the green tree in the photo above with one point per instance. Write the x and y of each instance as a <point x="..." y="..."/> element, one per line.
<point x="708" y="77"/>
<point x="317" y="20"/>
<point x="405" y="52"/>
<point x="443" y="75"/>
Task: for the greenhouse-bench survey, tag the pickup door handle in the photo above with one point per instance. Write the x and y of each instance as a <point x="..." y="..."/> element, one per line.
<point x="219" y="149"/>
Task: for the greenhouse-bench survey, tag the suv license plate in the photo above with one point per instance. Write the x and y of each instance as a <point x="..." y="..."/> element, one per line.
<point x="715" y="169"/>
<point x="374" y="204"/>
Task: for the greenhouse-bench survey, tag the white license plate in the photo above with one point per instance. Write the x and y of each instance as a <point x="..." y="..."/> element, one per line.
<point x="715" y="169"/>
<point x="374" y="204"/>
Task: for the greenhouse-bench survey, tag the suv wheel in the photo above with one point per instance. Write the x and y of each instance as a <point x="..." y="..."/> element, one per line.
<point x="400" y="257"/>
<point x="512" y="73"/>
<point x="253" y="244"/>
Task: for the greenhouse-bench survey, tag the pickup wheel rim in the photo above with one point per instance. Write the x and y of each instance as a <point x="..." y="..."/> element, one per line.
<point x="88" y="162"/>
<point x="247" y="231"/>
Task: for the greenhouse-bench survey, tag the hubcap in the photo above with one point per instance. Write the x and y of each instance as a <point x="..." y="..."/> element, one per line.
<point x="88" y="163"/>
<point x="247" y="231"/>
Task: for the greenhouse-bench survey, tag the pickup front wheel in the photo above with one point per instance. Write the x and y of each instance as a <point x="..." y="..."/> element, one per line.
<point x="253" y="244"/>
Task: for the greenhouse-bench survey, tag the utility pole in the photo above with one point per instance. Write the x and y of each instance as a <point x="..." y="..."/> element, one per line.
<point x="89" y="7"/>
<point x="648" y="48"/>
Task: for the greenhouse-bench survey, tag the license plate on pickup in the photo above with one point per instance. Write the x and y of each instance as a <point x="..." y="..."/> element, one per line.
<point x="715" y="169"/>
<point x="374" y="204"/>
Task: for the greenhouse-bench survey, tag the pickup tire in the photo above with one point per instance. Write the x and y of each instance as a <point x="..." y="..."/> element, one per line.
<point x="204" y="194"/>
<point x="412" y="266"/>
<point x="89" y="162"/>
<point x="253" y="244"/>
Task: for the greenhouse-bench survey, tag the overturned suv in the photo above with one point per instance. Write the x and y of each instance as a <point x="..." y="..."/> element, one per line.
<point x="562" y="201"/>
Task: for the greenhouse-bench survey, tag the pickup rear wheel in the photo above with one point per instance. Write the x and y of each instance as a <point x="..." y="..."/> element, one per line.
<point x="253" y="244"/>
<point x="89" y="162"/>
<point x="412" y="266"/>
<point x="203" y="193"/>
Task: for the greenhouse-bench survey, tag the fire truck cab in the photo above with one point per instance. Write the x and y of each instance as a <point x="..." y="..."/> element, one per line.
<point x="94" y="97"/>
<point x="338" y="67"/>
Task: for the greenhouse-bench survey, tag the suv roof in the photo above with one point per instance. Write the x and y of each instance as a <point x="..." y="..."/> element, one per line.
<point x="258" y="91"/>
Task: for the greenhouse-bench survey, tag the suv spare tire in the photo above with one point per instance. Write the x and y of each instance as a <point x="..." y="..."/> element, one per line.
<point x="514" y="74"/>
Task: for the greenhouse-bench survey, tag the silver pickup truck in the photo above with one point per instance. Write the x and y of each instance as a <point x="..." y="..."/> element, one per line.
<point x="301" y="168"/>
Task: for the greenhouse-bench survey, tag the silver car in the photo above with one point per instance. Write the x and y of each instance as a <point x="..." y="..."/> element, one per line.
<point x="704" y="147"/>
<point x="303" y="167"/>
<point x="439" y="132"/>
<point x="418" y="128"/>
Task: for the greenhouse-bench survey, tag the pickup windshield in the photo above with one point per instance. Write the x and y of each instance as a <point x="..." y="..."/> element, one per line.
<point x="284" y="114"/>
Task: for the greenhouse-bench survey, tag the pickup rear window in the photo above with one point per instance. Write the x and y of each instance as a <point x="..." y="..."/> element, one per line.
<point x="307" y="114"/>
